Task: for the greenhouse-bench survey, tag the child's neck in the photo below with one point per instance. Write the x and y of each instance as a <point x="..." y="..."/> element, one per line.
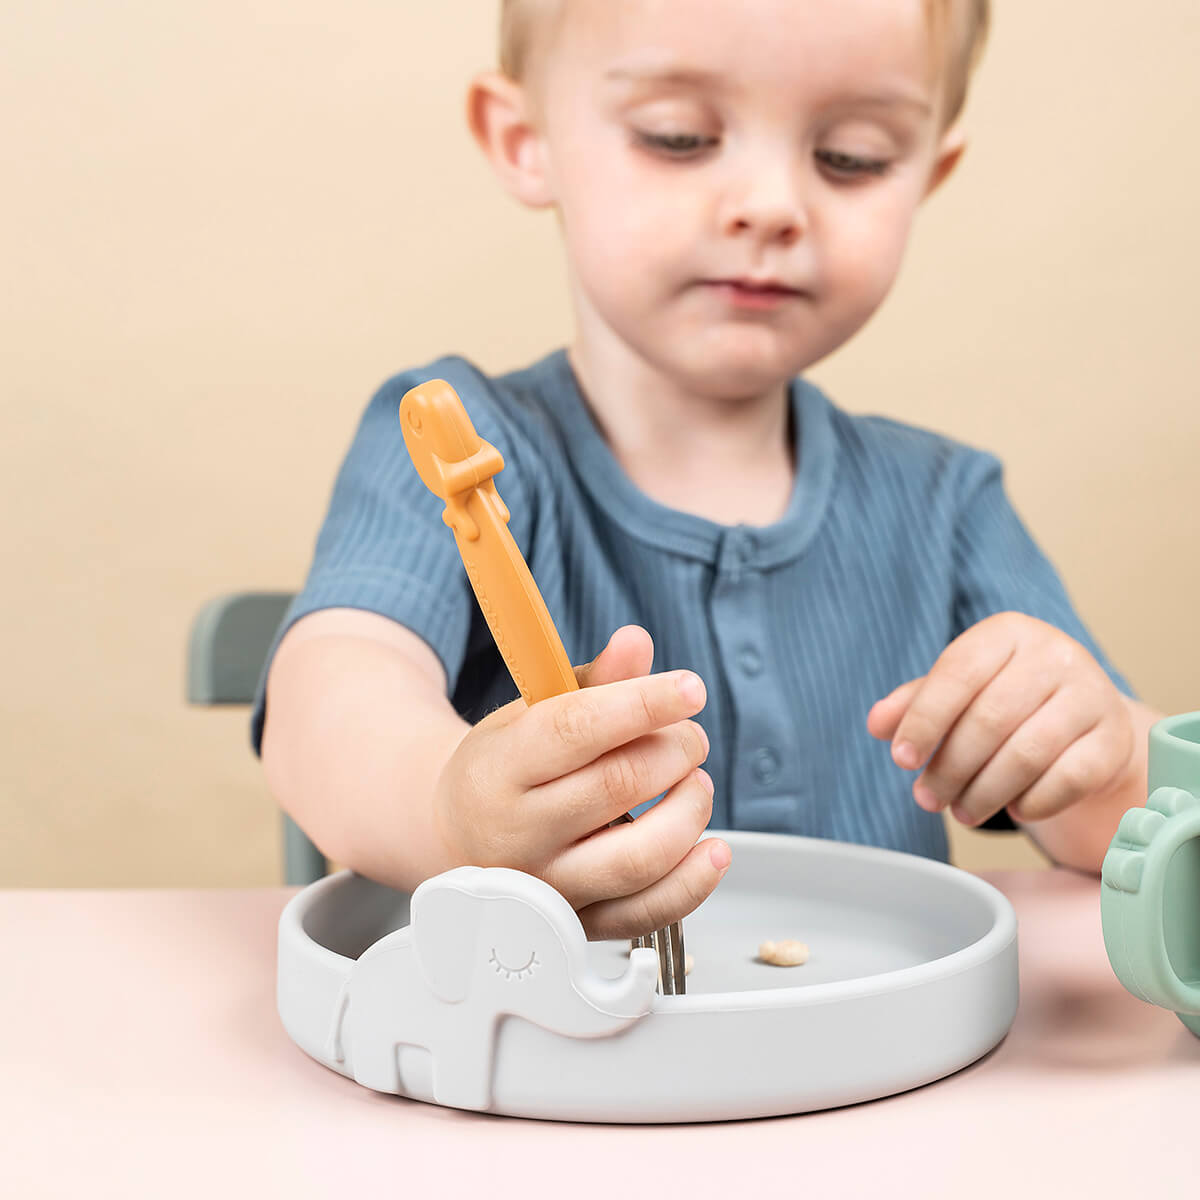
<point x="731" y="461"/>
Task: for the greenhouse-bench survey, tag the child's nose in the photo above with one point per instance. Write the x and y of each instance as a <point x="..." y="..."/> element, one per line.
<point x="769" y="208"/>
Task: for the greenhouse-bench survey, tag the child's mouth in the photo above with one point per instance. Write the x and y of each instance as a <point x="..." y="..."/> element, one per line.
<point x="752" y="294"/>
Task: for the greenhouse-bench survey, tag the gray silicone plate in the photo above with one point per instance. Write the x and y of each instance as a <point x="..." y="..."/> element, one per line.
<point x="912" y="975"/>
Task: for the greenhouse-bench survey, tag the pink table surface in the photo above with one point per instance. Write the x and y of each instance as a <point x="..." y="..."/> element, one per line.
<point x="142" y="1056"/>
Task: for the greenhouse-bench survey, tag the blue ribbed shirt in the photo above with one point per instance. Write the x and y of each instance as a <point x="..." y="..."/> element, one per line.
<point x="895" y="540"/>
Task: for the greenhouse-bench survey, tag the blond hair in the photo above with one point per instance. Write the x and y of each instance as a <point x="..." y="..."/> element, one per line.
<point x="522" y="23"/>
<point x="959" y="29"/>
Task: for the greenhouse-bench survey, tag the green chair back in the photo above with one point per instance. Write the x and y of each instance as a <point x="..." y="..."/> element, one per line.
<point x="227" y="647"/>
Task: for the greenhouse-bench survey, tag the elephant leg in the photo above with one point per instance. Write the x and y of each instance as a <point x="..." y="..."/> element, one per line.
<point x="376" y="1064"/>
<point x="462" y="1068"/>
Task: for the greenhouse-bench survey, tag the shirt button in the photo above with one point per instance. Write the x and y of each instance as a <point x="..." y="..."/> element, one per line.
<point x="749" y="660"/>
<point x="745" y="548"/>
<point x="766" y="765"/>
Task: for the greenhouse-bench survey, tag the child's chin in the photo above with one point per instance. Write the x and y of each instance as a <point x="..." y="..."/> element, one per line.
<point x="743" y="373"/>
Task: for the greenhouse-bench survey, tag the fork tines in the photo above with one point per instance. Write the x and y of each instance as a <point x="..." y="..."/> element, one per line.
<point x="672" y="967"/>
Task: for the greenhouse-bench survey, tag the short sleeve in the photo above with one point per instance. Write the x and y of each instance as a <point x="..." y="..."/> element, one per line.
<point x="383" y="546"/>
<point x="999" y="568"/>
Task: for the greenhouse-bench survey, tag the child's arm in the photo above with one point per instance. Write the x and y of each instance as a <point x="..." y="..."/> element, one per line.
<point x="364" y="750"/>
<point x="357" y="723"/>
<point x="1015" y="714"/>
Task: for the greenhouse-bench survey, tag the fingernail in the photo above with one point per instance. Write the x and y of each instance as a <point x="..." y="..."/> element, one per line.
<point x="905" y="755"/>
<point x="691" y="688"/>
<point x="961" y="815"/>
<point x="925" y="798"/>
<point x="705" y="779"/>
<point x="720" y="855"/>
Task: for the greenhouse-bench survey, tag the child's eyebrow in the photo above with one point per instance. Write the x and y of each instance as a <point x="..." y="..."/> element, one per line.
<point x="891" y="99"/>
<point x="672" y="75"/>
<point x="679" y="75"/>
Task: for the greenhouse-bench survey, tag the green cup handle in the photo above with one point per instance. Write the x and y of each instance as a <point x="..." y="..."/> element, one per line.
<point x="1150" y="902"/>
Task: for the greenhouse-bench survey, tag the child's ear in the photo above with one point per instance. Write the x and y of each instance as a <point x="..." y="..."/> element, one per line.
<point x="950" y="151"/>
<point x="500" y="119"/>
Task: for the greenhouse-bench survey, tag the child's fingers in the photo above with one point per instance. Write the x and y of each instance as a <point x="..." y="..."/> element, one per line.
<point x="1006" y="703"/>
<point x="564" y="733"/>
<point x="670" y="899"/>
<point x="885" y="714"/>
<point x="961" y="671"/>
<point x="628" y="858"/>
<point x="1030" y="753"/>
<point x="629" y="653"/>
<point x="583" y="801"/>
<point x="1088" y="763"/>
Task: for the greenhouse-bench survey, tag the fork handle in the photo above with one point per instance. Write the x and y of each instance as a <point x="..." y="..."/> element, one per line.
<point x="457" y="465"/>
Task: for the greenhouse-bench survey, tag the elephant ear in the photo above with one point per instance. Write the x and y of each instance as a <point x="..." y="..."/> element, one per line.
<point x="445" y="935"/>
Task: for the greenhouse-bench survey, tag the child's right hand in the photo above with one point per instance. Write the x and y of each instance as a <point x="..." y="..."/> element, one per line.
<point x="535" y="787"/>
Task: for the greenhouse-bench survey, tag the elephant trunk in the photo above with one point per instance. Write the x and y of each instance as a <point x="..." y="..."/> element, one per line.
<point x="610" y="1003"/>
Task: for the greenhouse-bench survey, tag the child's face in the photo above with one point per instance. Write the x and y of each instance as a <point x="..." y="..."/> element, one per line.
<point x="698" y="148"/>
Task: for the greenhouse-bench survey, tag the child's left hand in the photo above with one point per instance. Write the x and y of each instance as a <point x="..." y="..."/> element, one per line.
<point x="1016" y="715"/>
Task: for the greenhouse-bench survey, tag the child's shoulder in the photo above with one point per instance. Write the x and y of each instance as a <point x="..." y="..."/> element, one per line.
<point x="878" y="443"/>
<point x="514" y="410"/>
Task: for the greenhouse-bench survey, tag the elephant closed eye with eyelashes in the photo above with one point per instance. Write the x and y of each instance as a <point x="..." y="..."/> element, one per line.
<point x="483" y="943"/>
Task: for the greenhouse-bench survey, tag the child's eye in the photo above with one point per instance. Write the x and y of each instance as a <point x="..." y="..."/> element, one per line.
<point x="850" y="166"/>
<point x="676" y="145"/>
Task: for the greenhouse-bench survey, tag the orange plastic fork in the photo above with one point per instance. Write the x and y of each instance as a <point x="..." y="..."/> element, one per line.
<point x="458" y="466"/>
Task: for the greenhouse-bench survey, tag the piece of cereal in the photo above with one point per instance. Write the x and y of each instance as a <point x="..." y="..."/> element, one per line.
<point x="787" y="953"/>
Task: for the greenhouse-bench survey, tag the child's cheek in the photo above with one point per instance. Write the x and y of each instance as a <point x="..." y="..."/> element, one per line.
<point x="863" y="258"/>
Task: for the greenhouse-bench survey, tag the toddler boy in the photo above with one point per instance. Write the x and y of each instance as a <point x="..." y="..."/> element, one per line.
<point x="830" y="600"/>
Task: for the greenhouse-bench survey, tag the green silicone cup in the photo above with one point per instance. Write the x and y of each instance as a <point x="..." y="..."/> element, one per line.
<point x="1150" y="879"/>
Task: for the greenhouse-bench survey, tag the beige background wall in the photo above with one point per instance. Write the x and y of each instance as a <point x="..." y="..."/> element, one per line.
<point x="222" y="225"/>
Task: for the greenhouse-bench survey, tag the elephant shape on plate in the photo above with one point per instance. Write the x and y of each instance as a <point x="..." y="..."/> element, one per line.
<point x="483" y="943"/>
